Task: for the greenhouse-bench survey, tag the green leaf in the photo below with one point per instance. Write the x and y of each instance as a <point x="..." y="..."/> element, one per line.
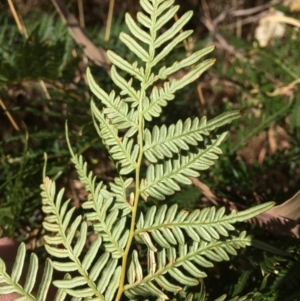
<point x="143" y="19"/>
<point x="116" y="109"/>
<point x="124" y="65"/>
<point x="165" y="142"/>
<point x="169" y="227"/>
<point x="113" y="285"/>
<point x="45" y="282"/>
<point x="136" y="31"/>
<point x="99" y="266"/>
<point x="170" y="46"/>
<point x="193" y="74"/>
<point x="134" y="47"/>
<point x="161" y="177"/>
<point x="121" y="150"/>
<point x="19" y="263"/>
<point x="70" y="283"/>
<point x="162" y="6"/>
<point x="166" y="17"/>
<point x="4" y="290"/>
<point x="108" y="272"/>
<point x="64" y="266"/>
<point x="31" y="274"/>
<point x="91" y="253"/>
<point x="146" y="5"/>
<point x="164" y="72"/>
<point x="160" y="96"/>
<point x="171" y="32"/>
<point x="182" y="268"/>
<point x="80" y="243"/>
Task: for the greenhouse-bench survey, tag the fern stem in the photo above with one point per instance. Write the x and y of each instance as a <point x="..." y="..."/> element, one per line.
<point x="134" y="209"/>
<point x="140" y="139"/>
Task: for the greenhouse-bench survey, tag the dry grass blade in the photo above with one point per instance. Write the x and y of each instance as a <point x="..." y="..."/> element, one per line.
<point x="11" y="119"/>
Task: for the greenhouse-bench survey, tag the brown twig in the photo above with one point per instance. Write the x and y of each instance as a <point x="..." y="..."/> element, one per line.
<point x="109" y="19"/>
<point x="20" y="25"/>
<point x="12" y="121"/>
<point x="81" y="14"/>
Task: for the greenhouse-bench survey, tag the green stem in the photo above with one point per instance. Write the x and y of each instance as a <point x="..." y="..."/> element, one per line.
<point x="134" y="211"/>
<point x="140" y="138"/>
<point x="137" y="188"/>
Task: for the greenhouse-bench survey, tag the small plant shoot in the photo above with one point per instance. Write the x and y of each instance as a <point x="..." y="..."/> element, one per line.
<point x="155" y="251"/>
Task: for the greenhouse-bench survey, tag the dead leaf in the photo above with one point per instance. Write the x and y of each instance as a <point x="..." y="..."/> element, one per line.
<point x="295" y="6"/>
<point x="269" y="27"/>
<point x="256" y="149"/>
<point x="289" y="209"/>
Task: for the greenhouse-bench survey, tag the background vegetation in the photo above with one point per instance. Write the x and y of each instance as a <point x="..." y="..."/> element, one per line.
<point x="42" y="83"/>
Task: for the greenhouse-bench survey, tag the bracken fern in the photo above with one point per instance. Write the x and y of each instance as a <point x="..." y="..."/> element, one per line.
<point x="155" y="253"/>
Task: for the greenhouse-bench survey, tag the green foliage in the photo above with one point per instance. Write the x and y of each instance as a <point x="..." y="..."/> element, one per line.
<point x="265" y="83"/>
<point x="275" y="276"/>
<point x="44" y="55"/>
<point x="41" y="55"/>
<point x="163" y="251"/>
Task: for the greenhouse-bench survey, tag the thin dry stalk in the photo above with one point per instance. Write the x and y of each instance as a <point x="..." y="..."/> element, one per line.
<point x="17" y="18"/>
<point x="10" y="118"/>
<point x="81" y="14"/>
<point x="109" y="19"/>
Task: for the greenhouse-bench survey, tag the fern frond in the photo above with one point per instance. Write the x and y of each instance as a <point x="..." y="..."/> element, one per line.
<point x="132" y="69"/>
<point x="162" y="178"/>
<point x="159" y="96"/>
<point x="168" y="227"/>
<point x="106" y="285"/>
<point x="184" y="265"/>
<point x="122" y="150"/>
<point x="137" y="31"/>
<point x="86" y="178"/>
<point x="165" y="142"/>
<point x="170" y="33"/>
<point x="116" y="109"/>
<point x="68" y="242"/>
<point x="164" y="72"/>
<point x="179" y="245"/>
<point x="118" y="190"/>
<point x="134" y="47"/>
<point x="126" y="87"/>
<point x="108" y="224"/>
<point x="11" y="284"/>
